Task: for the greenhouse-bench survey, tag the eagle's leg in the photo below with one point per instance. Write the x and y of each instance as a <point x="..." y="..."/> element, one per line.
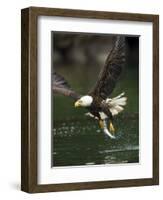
<point x="101" y="123"/>
<point x="111" y="127"/>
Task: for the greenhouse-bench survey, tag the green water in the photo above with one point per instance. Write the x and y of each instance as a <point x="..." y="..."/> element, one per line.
<point x="77" y="139"/>
<point x="82" y="142"/>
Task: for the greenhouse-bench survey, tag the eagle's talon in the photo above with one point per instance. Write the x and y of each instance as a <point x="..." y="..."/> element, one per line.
<point x="101" y="123"/>
<point x="111" y="127"/>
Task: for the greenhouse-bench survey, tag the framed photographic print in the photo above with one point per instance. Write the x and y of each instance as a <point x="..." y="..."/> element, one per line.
<point x="90" y="100"/>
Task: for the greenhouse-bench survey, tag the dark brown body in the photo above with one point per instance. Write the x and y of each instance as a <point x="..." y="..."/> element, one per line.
<point x="99" y="105"/>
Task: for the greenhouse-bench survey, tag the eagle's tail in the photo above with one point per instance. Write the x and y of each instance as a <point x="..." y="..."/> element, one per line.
<point x="116" y="104"/>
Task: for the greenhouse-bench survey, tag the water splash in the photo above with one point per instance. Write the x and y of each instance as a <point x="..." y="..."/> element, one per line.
<point x="81" y="142"/>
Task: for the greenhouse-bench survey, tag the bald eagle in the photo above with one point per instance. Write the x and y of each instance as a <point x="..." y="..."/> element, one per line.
<point x="97" y="101"/>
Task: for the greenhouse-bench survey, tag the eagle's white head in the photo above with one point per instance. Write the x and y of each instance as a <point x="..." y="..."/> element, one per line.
<point x="84" y="101"/>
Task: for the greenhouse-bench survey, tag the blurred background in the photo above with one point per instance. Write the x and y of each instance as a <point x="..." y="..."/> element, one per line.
<point x="77" y="139"/>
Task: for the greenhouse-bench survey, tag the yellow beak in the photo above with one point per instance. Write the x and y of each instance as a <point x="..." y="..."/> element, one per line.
<point x="77" y="104"/>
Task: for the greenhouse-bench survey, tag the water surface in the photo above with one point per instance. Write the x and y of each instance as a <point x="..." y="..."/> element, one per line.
<point x="82" y="142"/>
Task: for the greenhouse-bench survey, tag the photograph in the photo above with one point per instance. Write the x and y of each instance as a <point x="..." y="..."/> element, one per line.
<point x="95" y="99"/>
<point x="90" y="99"/>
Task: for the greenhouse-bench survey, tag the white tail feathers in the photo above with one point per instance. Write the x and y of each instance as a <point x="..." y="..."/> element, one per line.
<point x="116" y="104"/>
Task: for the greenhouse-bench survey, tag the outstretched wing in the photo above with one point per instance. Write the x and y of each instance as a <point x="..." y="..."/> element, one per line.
<point x="111" y="71"/>
<point x="61" y="86"/>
